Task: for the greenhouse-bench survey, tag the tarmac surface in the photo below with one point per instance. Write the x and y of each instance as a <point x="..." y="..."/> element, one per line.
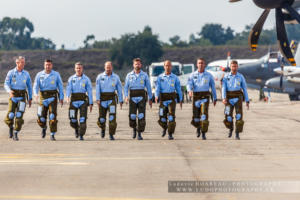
<point x="97" y="169"/>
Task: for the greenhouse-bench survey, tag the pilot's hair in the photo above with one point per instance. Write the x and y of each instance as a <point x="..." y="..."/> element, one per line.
<point x="234" y="62"/>
<point x="48" y="61"/>
<point x="167" y="61"/>
<point x="107" y="63"/>
<point x="137" y="60"/>
<point x="79" y="63"/>
<point x="201" y="59"/>
<point x="20" y="58"/>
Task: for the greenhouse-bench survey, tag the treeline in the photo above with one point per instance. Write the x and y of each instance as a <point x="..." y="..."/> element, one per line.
<point x="15" y="34"/>
<point x="144" y="45"/>
<point x="147" y="45"/>
<point x="209" y="35"/>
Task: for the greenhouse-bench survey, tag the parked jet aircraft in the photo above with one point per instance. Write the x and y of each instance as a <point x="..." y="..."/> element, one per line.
<point x="219" y="67"/>
<point x="256" y="71"/>
<point x="288" y="81"/>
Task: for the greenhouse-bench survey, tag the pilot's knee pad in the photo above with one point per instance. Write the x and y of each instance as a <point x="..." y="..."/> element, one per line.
<point x="74" y="123"/>
<point x="112" y="118"/>
<point x="19" y="115"/>
<point x="132" y="120"/>
<point x="41" y="121"/>
<point x="132" y="117"/>
<point x="228" y="123"/>
<point x="196" y="122"/>
<point x="171" y="118"/>
<point x="141" y="122"/>
<point x="52" y="119"/>
<point x="112" y="125"/>
<point x="141" y="116"/>
<point x="9" y="119"/>
<point x="163" y="122"/>
<point x="101" y="122"/>
<point x="11" y="115"/>
<point x="112" y="122"/>
<point x="82" y="120"/>
<point x="82" y="125"/>
<point x="52" y="116"/>
<point x="53" y="122"/>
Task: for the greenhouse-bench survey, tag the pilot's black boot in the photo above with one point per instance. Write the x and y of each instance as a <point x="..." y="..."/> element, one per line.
<point x="164" y="133"/>
<point x="140" y="136"/>
<point x="111" y="137"/>
<point x="134" y="133"/>
<point x="44" y="132"/>
<point x="203" y="136"/>
<point x="81" y="137"/>
<point x="11" y="132"/>
<point x="52" y="137"/>
<point x="230" y="133"/>
<point x="15" y="136"/>
<point x="171" y="136"/>
<point x="198" y="132"/>
<point x="76" y="133"/>
<point x="102" y="133"/>
<point x="237" y="135"/>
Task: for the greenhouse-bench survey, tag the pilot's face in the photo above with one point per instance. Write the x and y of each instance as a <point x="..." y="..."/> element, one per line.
<point x="108" y="68"/>
<point x="234" y="67"/>
<point x="78" y="70"/>
<point x="168" y="67"/>
<point x="20" y="63"/>
<point x="201" y="65"/>
<point x="137" y="65"/>
<point x="48" y="66"/>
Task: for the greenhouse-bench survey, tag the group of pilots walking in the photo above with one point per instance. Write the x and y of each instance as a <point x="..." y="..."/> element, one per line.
<point x="48" y="91"/>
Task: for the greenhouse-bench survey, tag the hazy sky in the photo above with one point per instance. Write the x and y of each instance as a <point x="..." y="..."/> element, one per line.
<point x="70" y="21"/>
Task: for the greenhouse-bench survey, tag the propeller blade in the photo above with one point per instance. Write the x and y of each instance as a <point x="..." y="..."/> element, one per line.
<point x="282" y="38"/>
<point x="256" y="30"/>
<point x="292" y="12"/>
<point x="233" y="1"/>
<point x="281" y="76"/>
<point x="281" y="81"/>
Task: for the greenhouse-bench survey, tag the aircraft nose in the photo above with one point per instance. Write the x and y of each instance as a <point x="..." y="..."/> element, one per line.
<point x="273" y="83"/>
<point x="268" y="83"/>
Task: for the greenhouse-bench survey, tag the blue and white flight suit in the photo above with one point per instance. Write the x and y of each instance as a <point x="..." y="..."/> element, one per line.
<point x="135" y="85"/>
<point x="167" y="88"/>
<point x="48" y="87"/>
<point x="234" y="89"/>
<point x="19" y="83"/>
<point x="80" y="90"/>
<point x="106" y="88"/>
<point x="201" y="84"/>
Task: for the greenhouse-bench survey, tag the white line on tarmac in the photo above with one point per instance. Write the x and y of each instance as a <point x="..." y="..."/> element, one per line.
<point x="39" y="162"/>
<point x="81" y="159"/>
<point x="67" y="198"/>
